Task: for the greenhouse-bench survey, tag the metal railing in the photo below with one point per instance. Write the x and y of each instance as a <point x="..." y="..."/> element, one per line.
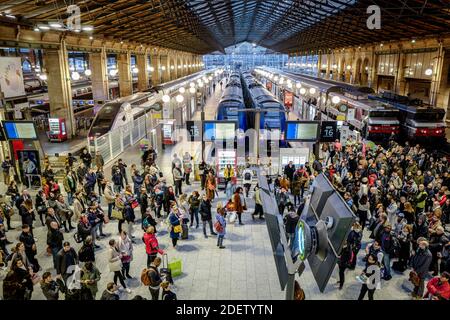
<point x="112" y="144"/>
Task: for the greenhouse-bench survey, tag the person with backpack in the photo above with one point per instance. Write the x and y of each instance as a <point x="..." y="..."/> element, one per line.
<point x="247" y="180"/>
<point x="148" y="220"/>
<point x="151" y="245"/>
<point x="220" y="225"/>
<point x="167" y="294"/>
<point x="151" y="277"/>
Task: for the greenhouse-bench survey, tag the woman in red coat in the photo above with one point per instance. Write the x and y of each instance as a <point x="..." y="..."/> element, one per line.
<point x="151" y="245"/>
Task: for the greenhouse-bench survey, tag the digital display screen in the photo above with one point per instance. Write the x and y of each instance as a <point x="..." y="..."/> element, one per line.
<point x="20" y="130"/>
<point x="328" y="131"/>
<point x="219" y="130"/>
<point x="307" y="131"/>
<point x="194" y="130"/>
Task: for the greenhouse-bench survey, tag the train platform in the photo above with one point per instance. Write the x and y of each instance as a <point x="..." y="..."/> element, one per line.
<point x="73" y="146"/>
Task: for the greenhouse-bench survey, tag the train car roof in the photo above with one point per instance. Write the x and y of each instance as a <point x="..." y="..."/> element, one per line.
<point x="319" y="84"/>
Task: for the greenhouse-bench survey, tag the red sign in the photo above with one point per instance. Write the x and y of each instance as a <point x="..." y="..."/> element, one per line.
<point x="288" y="99"/>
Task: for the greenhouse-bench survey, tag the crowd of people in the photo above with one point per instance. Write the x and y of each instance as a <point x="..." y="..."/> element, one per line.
<point x="398" y="195"/>
<point x="137" y="197"/>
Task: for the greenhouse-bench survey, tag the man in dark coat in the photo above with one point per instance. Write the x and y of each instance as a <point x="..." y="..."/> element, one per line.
<point x="55" y="240"/>
<point x="420" y="263"/>
<point x="66" y="257"/>
<point x="205" y="213"/>
<point x="86" y="158"/>
<point x="289" y="171"/>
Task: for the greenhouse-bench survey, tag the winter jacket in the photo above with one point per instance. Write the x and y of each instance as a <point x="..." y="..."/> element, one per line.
<point x="107" y="295"/>
<point x="55" y="239"/>
<point x="421" y="261"/>
<point x="437" y="288"/>
<point x="174" y="221"/>
<point x="223" y="223"/>
<point x="205" y="210"/>
<point x="65" y="259"/>
<point x="114" y="262"/>
<point x="151" y="244"/>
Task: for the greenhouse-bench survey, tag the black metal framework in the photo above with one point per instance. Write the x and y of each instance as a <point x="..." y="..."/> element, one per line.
<point x="203" y="26"/>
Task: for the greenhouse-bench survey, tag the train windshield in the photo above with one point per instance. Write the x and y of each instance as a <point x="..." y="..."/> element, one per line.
<point x="434" y="116"/>
<point x="105" y="116"/>
<point x="383" y="114"/>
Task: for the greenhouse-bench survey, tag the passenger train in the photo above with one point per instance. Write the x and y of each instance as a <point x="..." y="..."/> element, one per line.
<point x="231" y="102"/>
<point x="420" y="123"/>
<point x="350" y="104"/>
<point x="117" y="113"/>
<point x="272" y="115"/>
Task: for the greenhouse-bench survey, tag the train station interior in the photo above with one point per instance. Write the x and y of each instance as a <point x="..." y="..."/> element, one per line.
<point x="224" y="150"/>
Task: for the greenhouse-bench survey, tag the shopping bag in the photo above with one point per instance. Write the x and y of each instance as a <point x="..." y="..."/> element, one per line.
<point x="232" y="217"/>
<point x="117" y="214"/>
<point x="176" y="267"/>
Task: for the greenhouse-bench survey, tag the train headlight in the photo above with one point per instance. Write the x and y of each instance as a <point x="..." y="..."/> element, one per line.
<point x="298" y="85"/>
<point x="312" y="91"/>
<point x="166" y="98"/>
<point x="336" y="100"/>
<point x="302" y="91"/>
<point x="87" y="72"/>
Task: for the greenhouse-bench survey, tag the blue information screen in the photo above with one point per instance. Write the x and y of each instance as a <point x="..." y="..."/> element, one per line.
<point x="19" y="130"/>
<point x="219" y="131"/>
<point x="302" y="131"/>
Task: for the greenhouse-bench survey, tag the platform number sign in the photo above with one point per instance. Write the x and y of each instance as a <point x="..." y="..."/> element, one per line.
<point x="194" y="130"/>
<point x="328" y="131"/>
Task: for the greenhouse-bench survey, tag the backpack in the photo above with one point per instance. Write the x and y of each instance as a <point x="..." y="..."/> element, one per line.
<point x="145" y="279"/>
<point x="248" y="176"/>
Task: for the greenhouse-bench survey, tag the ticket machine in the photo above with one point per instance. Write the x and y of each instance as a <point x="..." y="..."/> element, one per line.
<point x="57" y="130"/>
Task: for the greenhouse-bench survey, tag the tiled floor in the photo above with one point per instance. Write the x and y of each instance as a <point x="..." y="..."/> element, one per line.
<point x="244" y="270"/>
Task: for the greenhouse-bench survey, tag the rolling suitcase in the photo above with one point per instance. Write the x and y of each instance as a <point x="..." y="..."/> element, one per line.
<point x="165" y="271"/>
<point x="185" y="231"/>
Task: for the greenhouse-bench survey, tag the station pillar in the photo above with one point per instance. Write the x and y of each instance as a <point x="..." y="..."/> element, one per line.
<point x="175" y="64"/>
<point x="142" y="65"/>
<point x="99" y="77"/>
<point x="166" y="65"/>
<point x="156" y="79"/>
<point x="56" y="63"/>
<point x="125" y="78"/>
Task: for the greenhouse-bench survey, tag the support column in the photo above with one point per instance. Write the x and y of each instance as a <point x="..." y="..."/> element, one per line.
<point x="156" y="79"/>
<point x="175" y="64"/>
<point x="319" y="66"/>
<point x="99" y="78"/>
<point x="142" y="64"/>
<point x="438" y="77"/>
<point x="165" y="70"/>
<point x="327" y="74"/>
<point x="400" y="82"/>
<point x="125" y="77"/>
<point x="56" y="62"/>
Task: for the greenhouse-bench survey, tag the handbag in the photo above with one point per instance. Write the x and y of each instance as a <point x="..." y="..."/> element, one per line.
<point x="218" y="226"/>
<point x="414" y="278"/>
<point x="134" y="204"/>
<point x="117" y="214"/>
<point x="177" y="229"/>
<point x="77" y="237"/>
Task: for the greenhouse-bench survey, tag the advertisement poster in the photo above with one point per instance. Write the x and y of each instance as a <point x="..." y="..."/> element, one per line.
<point x="29" y="167"/>
<point x="11" y="77"/>
<point x="288" y="99"/>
